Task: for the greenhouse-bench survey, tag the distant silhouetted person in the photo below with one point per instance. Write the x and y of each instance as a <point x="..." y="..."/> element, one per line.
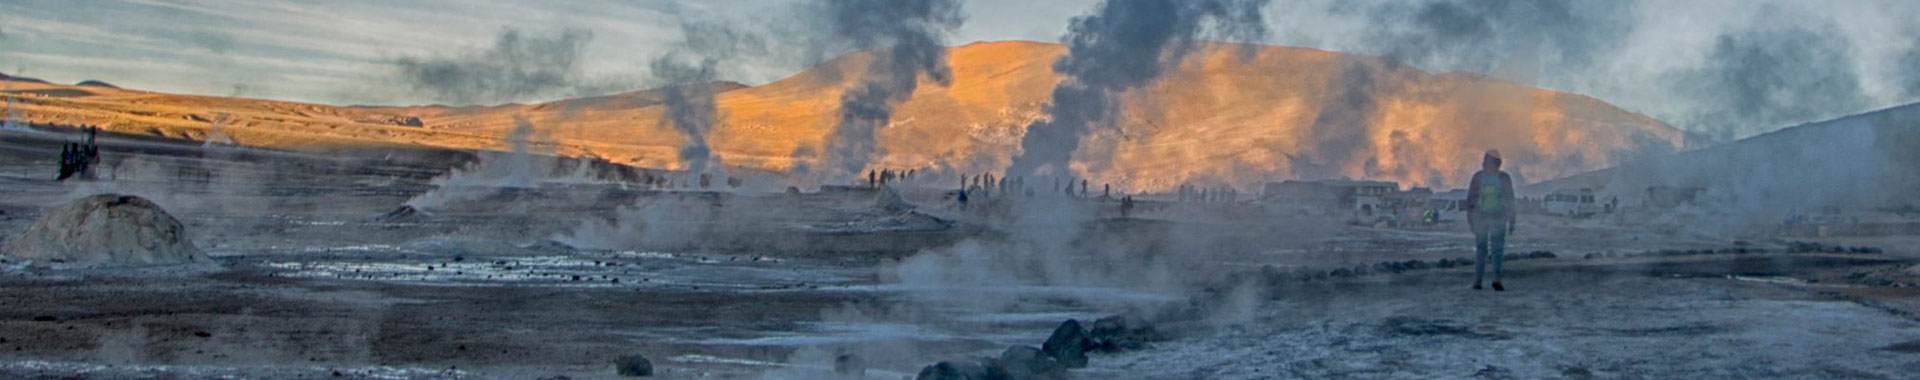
<point x="69" y="154"/>
<point x="1490" y="214"/>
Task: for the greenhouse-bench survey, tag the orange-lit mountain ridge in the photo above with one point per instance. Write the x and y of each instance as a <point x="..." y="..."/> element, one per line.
<point x="1226" y="116"/>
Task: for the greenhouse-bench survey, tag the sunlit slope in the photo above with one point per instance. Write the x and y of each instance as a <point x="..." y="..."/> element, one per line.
<point x="1229" y="114"/>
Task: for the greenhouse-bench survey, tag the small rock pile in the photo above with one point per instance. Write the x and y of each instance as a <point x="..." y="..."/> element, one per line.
<point x="1276" y="275"/>
<point x="1791" y="247"/>
<point x="1816" y="247"/>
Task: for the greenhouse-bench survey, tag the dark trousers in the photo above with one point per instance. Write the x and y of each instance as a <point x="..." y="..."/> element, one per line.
<point x="1489" y="243"/>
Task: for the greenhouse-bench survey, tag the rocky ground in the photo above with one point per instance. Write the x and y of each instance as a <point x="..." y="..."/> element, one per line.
<point x="319" y="278"/>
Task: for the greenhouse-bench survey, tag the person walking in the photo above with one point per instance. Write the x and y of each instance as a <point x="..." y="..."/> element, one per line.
<point x="1490" y="215"/>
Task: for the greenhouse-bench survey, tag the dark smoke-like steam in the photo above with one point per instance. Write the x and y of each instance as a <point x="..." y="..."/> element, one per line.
<point x="907" y="40"/>
<point x="516" y="67"/>
<point x="1761" y="80"/>
<point x="689" y="102"/>
<point x="1476" y="35"/>
<point x="1121" y="46"/>
<point x="1339" y="132"/>
<point x="1772" y="64"/>
<point x="689" y="71"/>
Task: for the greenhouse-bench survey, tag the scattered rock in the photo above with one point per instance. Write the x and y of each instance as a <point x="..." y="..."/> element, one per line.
<point x="633" y="366"/>
<point x="1026" y="362"/>
<point x="1492" y="372"/>
<point x="1118" y="333"/>
<point x="848" y="365"/>
<point x="107" y="229"/>
<point x="403" y="214"/>
<point x="1068" y="344"/>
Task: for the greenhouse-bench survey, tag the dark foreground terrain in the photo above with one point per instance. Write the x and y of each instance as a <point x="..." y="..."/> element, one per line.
<point x="318" y="276"/>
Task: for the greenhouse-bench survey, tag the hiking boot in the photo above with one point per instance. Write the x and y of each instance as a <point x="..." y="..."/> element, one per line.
<point x="1498" y="288"/>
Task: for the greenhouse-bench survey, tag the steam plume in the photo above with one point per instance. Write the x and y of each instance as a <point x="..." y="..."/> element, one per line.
<point x="1478" y="35"/>
<point x="906" y="38"/>
<point x="514" y="68"/>
<point x="690" y="108"/>
<point x="1759" y="78"/>
<point x="1646" y="55"/>
<point x="689" y="70"/>
<point x="1121" y="46"/>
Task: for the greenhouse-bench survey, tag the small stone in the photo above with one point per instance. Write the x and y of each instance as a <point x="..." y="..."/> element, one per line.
<point x="633" y="366"/>
<point x="1026" y="362"/>
<point x="848" y="365"/>
<point x="961" y="370"/>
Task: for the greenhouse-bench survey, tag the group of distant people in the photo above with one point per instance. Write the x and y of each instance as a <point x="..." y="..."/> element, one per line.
<point x="77" y="159"/>
<point x="882" y="177"/>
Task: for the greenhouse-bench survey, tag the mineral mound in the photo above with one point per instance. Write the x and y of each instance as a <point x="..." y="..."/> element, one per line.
<point x="109" y="230"/>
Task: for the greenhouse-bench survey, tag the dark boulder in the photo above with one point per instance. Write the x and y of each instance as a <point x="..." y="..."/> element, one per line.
<point x="1028" y="363"/>
<point x="848" y="365"/>
<point x="1118" y="333"/>
<point x="1068" y="344"/>
<point x="633" y="366"/>
<point x="962" y="370"/>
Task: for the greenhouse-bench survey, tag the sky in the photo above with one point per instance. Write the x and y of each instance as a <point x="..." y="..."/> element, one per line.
<point x="1724" y="68"/>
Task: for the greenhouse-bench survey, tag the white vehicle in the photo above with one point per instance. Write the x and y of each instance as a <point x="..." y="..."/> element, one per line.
<point x="1572" y="203"/>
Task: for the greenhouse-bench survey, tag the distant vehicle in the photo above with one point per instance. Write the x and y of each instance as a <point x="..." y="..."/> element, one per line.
<point x="1572" y="203"/>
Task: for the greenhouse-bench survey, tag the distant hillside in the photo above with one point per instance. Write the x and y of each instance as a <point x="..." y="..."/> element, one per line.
<point x="95" y="83"/>
<point x="1865" y="160"/>
<point x="6" y="77"/>
<point x="1222" y="117"/>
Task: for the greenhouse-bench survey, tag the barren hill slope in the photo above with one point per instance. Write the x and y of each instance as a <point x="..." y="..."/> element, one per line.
<point x="1227" y="115"/>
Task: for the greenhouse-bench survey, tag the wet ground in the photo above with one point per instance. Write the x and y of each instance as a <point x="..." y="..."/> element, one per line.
<point x="317" y="280"/>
